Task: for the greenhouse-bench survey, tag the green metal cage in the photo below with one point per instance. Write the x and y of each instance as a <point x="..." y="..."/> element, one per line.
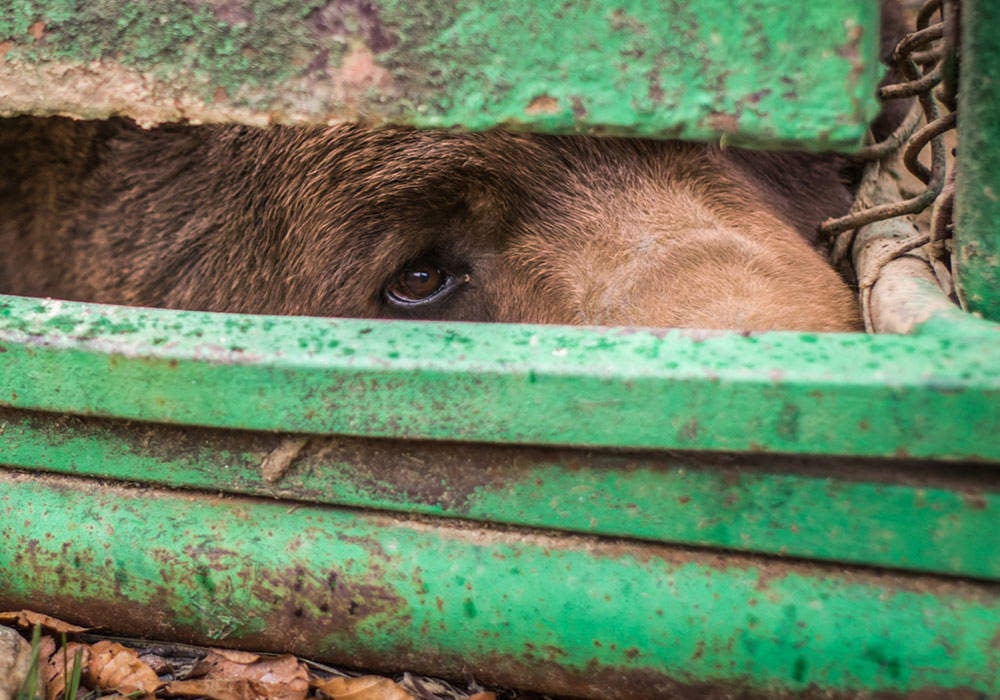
<point x="600" y="512"/>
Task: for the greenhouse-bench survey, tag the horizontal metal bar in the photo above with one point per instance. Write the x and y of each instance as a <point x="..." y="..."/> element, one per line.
<point x="756" y="72"/>
<point x="564" y="615"/>
<point x="925" y="517"/>
<point x="930" y="395"/>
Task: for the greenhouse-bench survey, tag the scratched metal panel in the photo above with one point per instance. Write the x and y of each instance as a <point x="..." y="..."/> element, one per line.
<point x="562" y="614"/>
<point x="931" y="395"/>
<point x="754" y="72"/>
<point x="918" y="516"/>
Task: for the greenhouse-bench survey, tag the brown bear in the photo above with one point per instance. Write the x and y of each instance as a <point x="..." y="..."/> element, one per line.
<point x="399" y="223"/>
<point x="353" y="221"/>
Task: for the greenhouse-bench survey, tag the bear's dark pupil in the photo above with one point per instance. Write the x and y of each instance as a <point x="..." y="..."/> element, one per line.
<point x="422" y="282"/>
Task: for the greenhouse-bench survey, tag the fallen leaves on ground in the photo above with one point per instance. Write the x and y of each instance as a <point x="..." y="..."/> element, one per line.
<point x="28" y="618"/>
<point x="362" y="688"/>
<point x="140" y="670"/>
<point x="61" y="664"/>
<point x="115" y="667"/>
<point x="239" y="675"/>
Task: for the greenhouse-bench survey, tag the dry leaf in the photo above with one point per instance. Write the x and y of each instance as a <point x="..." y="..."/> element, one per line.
<point x="234" y="655"/>
<point x="46" y="648"/>
<point x="218" y="689"/>
<point x="279" y="677"/>
<point x="425" y="687"/>
<point x="60" y="664"/>
<point x="115" y="667"/>
<point x="29" y="618"/>
<point x="362" y="688"/>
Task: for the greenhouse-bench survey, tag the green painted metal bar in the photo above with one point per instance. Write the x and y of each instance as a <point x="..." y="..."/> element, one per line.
<point x="924" y="517"/>
<point x="806" y="71"/>
<point x="923" y="396"/>
<point x="563" y="615"/>
<point x="977" y="237"/>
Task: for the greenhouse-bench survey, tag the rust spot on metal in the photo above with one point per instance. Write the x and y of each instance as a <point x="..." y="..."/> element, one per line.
<point x="445" y="475"/>
<point x="37" y="30"/>
<point x="234" y="12"/>
<point x="320" y="62"/>
<point x="975" y="501"/>
<point x="341" y="19"/>
<point x="656" y="93"/>
<point x="341" y="602"/>
<point x="755" y="97"/>
<point x="621" y="20"/>
<point x="851" y="53"/>
<point x="726" y="123"/>
<point x="689" y="431"/>
<point x="788" y="422"/>
<point x="309" y="595"/>
<point x="359" y="71"/>
<point x="543" y="104"/>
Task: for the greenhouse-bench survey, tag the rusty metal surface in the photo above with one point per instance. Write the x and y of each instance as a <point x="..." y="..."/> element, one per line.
<point x="901" y="514"/>
<point x="563" y="614"/>
<point x="807" y="71"/>
<point x="977" y="243"/>
<point x="833" y="394"/>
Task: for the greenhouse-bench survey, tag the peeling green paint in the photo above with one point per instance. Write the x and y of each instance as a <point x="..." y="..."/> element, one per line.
<point x="977" y="237"/>
<point x="560" y="614"/>
<point x="924" y="517"/>
<point x="767" y="72"/>
<point x="768" y="392"/>
<point x="228" y="48"/>
<point x="563" y="613"/>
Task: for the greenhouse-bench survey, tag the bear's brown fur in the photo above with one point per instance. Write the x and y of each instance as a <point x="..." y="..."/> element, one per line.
<point x="350" y="221"/>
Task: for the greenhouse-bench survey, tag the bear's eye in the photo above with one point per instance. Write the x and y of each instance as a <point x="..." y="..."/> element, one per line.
<point x="419" y="282"/>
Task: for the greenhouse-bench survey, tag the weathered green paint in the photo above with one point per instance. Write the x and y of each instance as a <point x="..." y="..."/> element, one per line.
<point x="923" y="396"/>
<point x="977" y="238"/>
<point x="560" y="614"/>
<point x="758" y="72"/>
<point x="915" y="516"/>
<point x="566" y="613"/>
